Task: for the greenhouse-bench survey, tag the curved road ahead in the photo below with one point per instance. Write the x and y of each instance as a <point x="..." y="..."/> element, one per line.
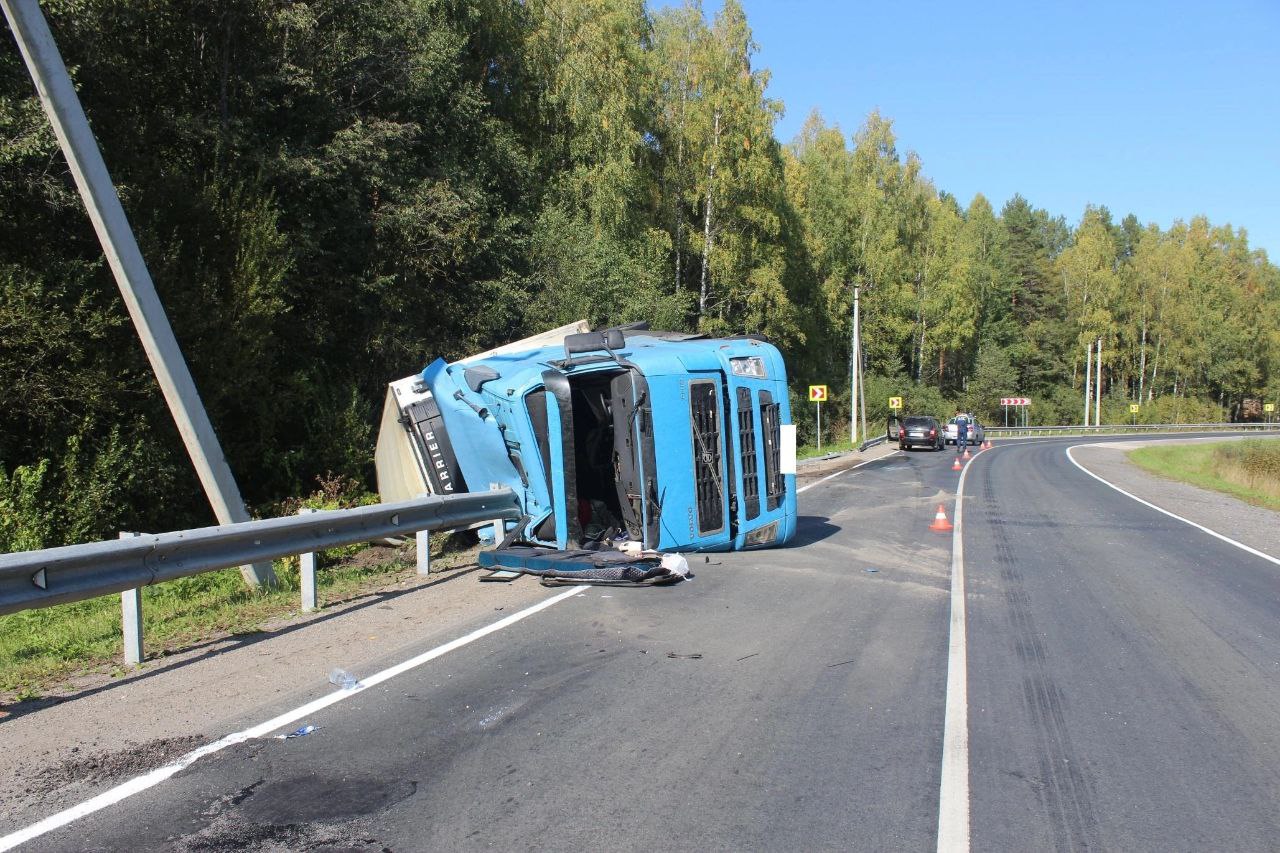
<point x="1123" y="692"/>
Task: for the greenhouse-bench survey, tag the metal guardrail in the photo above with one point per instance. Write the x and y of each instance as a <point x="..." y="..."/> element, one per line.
<point x="32" y="579"/>
<point x="873" y="442"/>
<point x="1130" y="428"/>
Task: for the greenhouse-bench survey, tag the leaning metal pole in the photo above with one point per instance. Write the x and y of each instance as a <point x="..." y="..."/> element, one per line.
<point x="65" y="113"/>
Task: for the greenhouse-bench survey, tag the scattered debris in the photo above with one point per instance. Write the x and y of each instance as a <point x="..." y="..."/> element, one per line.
<point x="753" y="654"/>
<point x="500" y="576"/>
<point x="871" y="571"/>
<point x="608" y="568"/>
<point x="343" y="679"/>
<point x="842" y="663"/>
<point x="302" y="732"/>
<point x="694" y="656"/>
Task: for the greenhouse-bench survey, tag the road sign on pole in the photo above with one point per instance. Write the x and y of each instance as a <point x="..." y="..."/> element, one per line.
<point x="895" y="403"/>
<point x="817" y="394"/>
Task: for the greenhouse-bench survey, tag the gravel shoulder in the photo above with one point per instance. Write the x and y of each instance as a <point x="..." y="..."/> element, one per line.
<point x="97" y="731"/>
<point x="808" y="470"/>
<point x="1257" y="527"/>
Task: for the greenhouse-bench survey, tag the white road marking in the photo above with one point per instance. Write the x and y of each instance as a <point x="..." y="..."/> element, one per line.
<point x="844" y="471"/>
<point x="1213" y="533"/>
<point x="953" y="794"/>
<point x="155" y="777"/>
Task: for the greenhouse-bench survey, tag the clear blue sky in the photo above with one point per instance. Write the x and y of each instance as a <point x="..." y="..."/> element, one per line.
<point x="1162" y="109"/>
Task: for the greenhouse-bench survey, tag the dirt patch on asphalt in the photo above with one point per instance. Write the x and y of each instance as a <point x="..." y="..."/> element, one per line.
<point x="94" y="768"/>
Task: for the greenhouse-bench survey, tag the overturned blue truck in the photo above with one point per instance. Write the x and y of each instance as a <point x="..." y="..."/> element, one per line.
<point x="621" y="445"/>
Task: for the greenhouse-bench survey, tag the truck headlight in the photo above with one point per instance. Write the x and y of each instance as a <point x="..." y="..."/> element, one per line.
<point x="752" y="366"/>
<point x="763" y="535"/>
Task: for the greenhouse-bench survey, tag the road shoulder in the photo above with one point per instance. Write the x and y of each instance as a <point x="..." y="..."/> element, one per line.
<point x="1254" y="526"/>
<point x="95" y="735"/>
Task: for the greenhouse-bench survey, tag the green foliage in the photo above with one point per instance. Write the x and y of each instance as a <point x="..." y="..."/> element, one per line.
<point x="1259" y="458"/>
<point x="82" y="493"/>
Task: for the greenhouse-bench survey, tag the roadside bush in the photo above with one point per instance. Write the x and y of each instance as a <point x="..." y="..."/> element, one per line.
<point x="1180" y="410"/>
<point x="1252" y="463"/>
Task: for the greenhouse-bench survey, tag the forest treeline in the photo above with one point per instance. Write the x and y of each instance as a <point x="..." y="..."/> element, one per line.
<point x="330" y="193"/>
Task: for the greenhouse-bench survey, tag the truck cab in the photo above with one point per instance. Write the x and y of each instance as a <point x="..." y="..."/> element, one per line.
<point x="674" y="441"/>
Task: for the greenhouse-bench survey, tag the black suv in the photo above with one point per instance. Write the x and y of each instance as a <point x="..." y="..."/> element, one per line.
<point x="921" y="431"/>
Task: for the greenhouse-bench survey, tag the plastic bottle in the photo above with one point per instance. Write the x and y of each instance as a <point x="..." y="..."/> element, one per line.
<point x="343" y="679"/>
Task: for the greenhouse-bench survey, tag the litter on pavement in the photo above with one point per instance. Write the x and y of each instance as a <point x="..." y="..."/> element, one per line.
<point x="302" y="732"/>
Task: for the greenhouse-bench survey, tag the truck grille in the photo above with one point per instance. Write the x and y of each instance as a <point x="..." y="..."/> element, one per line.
<point x="706" y="456"/>
<point x="750" y="463"/>
<point x="771" y="424"/>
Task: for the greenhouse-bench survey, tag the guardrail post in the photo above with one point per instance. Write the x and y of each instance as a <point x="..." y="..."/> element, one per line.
<point x="131" y="618"/>
<point x="307" y="573"/>
<point x="423" y="541"/>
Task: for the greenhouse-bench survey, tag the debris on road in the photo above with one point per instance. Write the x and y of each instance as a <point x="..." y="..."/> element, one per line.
<point x="499" y="576"/>
<point x="694" y="656"/>
<point x="302" y="732"/>
<point x="343" y="679"/>
<point x="648" y="568"/>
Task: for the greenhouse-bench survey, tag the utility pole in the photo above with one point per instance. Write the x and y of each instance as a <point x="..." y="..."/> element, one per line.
<point x="1097" y="389"/>
<point x="61" y="104"/>
<point x="855" y="361"/>
<point x="1088" y="380"/>
<point x="862" y="392"/>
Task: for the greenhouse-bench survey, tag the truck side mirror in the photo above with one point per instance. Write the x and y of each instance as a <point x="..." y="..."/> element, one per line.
<point x="610" y="339"/>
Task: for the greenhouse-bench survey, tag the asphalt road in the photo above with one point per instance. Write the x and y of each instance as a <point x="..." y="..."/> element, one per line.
<point x="1123" y="693"/>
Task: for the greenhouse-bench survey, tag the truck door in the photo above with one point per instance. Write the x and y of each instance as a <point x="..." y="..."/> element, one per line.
<point x="564" y="475"/>
<point x="633" y="456"/>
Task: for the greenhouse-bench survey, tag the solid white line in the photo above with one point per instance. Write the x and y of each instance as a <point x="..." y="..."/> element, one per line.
<point x="953" y="794"/>
<point x="1213" y="533"/>
<point x="844" y="471"/>
<point x="155" y="777"/>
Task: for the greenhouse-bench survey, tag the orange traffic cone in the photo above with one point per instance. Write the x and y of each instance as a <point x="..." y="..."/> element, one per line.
<point x="987" y="446"/>
<point x="967" y="455"/>
<point x="956" y="466"/>
<point x="940" y="522"/>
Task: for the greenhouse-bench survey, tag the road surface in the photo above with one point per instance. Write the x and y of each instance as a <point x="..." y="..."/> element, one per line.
<point x="1123" y="692"/>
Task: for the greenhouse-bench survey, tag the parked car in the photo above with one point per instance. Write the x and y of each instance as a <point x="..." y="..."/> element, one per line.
<point x="920" y="431"/>
<point x="977" y="434"/>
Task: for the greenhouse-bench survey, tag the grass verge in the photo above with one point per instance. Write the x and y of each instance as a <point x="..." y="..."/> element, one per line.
<point x="1249" y="469"/>
<point x="39" y="648"/>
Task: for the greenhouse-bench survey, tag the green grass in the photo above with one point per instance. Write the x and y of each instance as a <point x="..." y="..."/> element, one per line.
<point x="1249" y="469"/>
<point x="38" y="648"/>
<point x="809" y="451"/>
